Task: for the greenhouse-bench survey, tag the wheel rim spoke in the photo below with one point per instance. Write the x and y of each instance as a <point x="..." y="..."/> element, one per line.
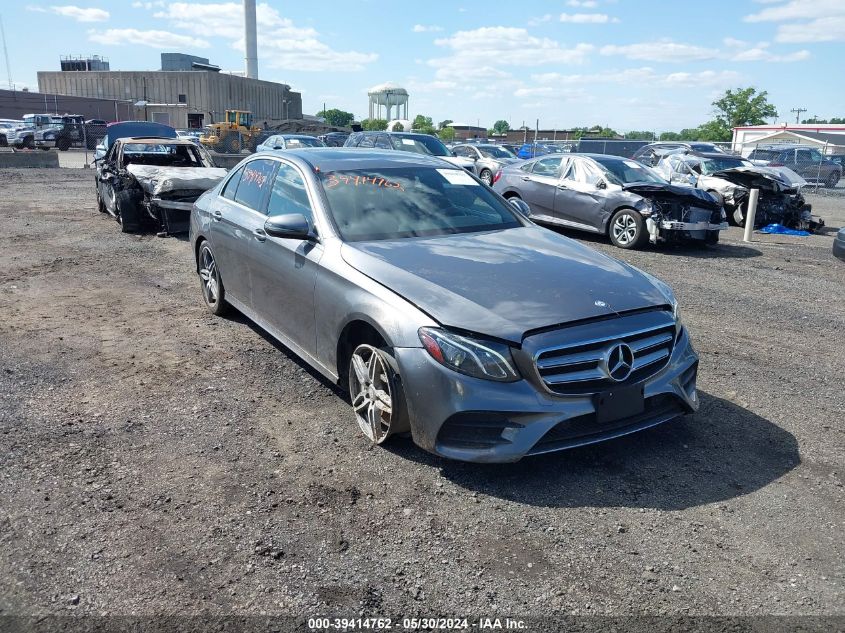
<point x="360" y="402"/>
<point x="360" y="369"/>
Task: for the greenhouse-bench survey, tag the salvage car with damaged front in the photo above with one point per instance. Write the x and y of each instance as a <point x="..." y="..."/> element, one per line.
<point x="149" y="181"/>
<point x="445" y="312"/>
<point x="730" y="179"/>
<point x="614" y="196"/>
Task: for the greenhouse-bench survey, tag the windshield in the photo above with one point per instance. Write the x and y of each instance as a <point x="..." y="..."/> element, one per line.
<point x="400" y="202"/>
<point x="626" y="172"/>
<point x="490" y="151"/>
<point x="712" y="165"/>
<point x="304" y="141"/>
<point x="163" y="155"/>
<point x="422" y="144"/>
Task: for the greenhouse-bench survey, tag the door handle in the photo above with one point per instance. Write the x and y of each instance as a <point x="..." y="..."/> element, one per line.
<point x="259" y="235"/>
<point x="217" y="215"/>
<point x="526" y="178"/>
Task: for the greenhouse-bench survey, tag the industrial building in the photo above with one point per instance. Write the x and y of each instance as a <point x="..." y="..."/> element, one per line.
<point x="181" y="98"/>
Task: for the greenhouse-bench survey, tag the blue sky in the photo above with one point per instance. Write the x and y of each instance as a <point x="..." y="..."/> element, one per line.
<point x="628" y="64"/>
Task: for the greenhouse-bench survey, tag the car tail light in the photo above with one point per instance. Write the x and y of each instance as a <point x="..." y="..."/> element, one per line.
<point x="776" y="165"/>
<point x="497" y="176"/>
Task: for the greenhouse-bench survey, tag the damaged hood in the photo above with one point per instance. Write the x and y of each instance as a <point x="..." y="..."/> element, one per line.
<point x="768" y="178"/>
<point x="504" y="283"/>
<point x="161" y="180"/>
<point x="675" y="193"/>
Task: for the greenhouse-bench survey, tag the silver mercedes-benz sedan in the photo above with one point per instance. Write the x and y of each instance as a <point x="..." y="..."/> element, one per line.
<point x="445" y="311"/>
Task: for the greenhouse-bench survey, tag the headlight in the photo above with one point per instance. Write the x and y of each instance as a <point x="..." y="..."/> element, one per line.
<point x="480" y="359"/>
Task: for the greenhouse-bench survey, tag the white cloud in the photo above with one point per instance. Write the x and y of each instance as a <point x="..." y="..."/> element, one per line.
<point x="808" y="20"/>
<point x="540" y="20"/>
<point x="661" y="51"/>
<point x="153" y="39"/>
<point x="586" y="18"/>
<point x="421" y="28"/>
<point x="156" y="4"/>
<point x="481" y="54"/>
<point x="761" y="53"/>
<point x="281" y="43"/>
<point x="584" y="4"/>
<point x="81" y="14"/>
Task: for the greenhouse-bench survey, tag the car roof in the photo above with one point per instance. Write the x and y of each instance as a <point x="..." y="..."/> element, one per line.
<point x="157" y="140"/>
<point x="719" y="155"/>
<point x="349" y="158"/>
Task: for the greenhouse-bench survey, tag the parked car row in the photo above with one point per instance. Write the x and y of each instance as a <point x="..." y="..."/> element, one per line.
<point x="396" y="270"/>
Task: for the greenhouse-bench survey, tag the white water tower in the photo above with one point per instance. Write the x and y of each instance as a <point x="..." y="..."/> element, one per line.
<point x="392" y="97"/>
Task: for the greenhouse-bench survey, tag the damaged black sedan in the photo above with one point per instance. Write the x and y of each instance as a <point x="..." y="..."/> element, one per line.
<point x="730" y="179"/>
<point x="617" y="197"/>
<point x="153" y="182"/>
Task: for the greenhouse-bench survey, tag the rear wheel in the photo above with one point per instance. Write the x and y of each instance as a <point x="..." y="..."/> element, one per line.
<point x="831" y="181"/>
<point x="627" y="229"/>
<point x="376" y="392"/>
<point x="63" y="143"/>
<point x="231" y="144"/>
<point x="213" y="293"/>
<point x="487" y="176"/>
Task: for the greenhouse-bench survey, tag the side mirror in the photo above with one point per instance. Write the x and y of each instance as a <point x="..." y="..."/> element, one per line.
<point x="521" y="206"/>
<point x="291" y="226"/>
<point x="601" y="184"/>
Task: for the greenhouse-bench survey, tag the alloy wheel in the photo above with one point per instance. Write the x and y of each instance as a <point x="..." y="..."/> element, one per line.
<point x="209" y="276"/>
<point x="371" y="393"/>
<point x="624" y="229"/>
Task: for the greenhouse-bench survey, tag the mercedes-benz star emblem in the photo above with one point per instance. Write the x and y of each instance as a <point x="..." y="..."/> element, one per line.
<point x="618" y="362"/>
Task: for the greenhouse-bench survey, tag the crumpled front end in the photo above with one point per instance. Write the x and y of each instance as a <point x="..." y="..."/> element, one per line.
<point x="680" y="214"/>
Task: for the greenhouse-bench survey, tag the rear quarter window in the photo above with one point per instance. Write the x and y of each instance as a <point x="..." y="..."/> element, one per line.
<point x="254" y="183"/>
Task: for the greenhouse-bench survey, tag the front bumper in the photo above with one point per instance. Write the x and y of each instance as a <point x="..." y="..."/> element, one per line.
<point x="518" y="419"/>
<point x="839" y="246"/>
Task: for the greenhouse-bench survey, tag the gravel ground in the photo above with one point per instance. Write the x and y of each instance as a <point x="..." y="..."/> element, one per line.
<point x="157" y="459"/>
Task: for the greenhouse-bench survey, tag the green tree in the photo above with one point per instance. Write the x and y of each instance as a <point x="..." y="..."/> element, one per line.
<point x="745" y="106"/>
<point x="839" y="120"/>
<point x="640" y="135"/>
<point x="398" y="127"/>
<point x="375" y="125"/>
<point x="336" y="117"/>
<point x="423" y="124"/>
<point x="669" y="136"/>
<point x="714" y="132"/>
<point x="446" y="134"/>
<point x="501" y="127"/>
<point x="444" y="123"/>
<point x="596" y="130"/>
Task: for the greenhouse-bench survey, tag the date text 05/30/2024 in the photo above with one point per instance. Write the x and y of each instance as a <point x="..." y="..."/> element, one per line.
<point x="415" y="624"/>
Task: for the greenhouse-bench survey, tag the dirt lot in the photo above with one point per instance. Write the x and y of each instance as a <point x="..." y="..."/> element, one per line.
<point x="156" y="459"/>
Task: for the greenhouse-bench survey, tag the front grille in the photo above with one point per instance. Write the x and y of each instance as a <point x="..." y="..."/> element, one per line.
<point x="584" y="429"/>
<point x="576" y="368"/>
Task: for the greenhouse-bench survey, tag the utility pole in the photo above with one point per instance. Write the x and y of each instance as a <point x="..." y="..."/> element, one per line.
<point x="6" y="55"/>
<point x="798" y="112"/>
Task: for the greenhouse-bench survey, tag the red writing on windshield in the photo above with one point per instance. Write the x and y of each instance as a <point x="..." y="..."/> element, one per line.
<point x="334" y="180"/>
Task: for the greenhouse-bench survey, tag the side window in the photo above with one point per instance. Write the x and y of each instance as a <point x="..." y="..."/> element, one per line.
<point x="526" y="166"/>
<point x="547" y="166"/>
<point x="232" y="185"/>
<point x="255" y="181"/>
<point x="583" y="172"/>
<point x="815" y="156"/>
<point x="288" y="194"/>
<point x="464" y="151"/>
<point x="383" y="142"/>
<point x="366" y="141"/>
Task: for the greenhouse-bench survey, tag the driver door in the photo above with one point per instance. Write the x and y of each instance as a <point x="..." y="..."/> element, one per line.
<point x="580" y="197"/>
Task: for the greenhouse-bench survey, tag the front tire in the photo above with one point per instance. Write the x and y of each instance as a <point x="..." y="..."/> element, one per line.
<point x="832" y="180"/>
<point x="126" y="210"/>
<point x="375" y="391"/>
<point x="487" y="177"/>
<point x="627" y="229"/>
<point x="213" y="292"/>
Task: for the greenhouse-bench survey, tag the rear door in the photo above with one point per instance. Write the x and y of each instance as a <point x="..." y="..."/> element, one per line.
<point x="539" y="184"/>
<point x="238" y="222"/>
<point x="284" y="271"/>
